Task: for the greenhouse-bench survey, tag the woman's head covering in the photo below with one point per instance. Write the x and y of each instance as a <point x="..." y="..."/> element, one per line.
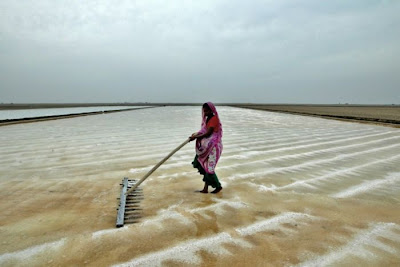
<point x="204" y="121"/>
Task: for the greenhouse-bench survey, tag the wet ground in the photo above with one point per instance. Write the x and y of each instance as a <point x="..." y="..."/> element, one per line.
<point x="298" y="191"/>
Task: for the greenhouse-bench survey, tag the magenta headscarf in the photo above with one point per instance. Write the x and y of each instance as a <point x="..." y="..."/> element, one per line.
<point x="209" y="149"/>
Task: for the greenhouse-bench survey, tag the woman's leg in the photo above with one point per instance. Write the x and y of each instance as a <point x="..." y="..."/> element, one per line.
<point x="217" y="190"/>
<point x="205" y="189"/>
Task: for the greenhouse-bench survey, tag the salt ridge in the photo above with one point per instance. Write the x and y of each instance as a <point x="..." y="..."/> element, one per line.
<point x="346" y="171"/>
<point x="172" y="164"/>
<point x="308" y="164"/>
<point x="31" y="251"/>
<point x="360" y="245"/>
<point x="390" y="179"/>
<point x="309" y="153"/>
<point x="186" y="252"/>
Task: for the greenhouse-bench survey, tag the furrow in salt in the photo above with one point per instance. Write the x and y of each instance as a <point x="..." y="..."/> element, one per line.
<point x="30" y="252"/>
<point x="358" y="246"/>
<point x="226" y="156"/>
<point x="186" y="252"/>
<point x="249" y="154"/>
<point x="330" y="175"/>
<point x="311" y="163"/>
<point x="390" y="179"/>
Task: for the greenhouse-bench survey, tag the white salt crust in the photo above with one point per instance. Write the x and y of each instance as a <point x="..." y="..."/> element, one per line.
<point x="360" y="246"/>
<point x="31" y="251"/>
<point x="388" y="181"/>
<point x="186" y="252"/>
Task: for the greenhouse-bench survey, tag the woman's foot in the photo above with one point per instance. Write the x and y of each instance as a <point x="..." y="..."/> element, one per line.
<point x="216" y="190"/>
<point x="205" y="189"/>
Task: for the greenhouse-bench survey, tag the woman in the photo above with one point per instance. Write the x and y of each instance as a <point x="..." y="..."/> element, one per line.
<point x="208" y="147"/>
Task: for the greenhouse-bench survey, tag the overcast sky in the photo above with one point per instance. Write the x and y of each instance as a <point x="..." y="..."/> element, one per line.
<point x="271" y="51"/>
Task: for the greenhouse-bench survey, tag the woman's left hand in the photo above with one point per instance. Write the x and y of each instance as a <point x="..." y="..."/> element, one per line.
<point x="193" y="136"/>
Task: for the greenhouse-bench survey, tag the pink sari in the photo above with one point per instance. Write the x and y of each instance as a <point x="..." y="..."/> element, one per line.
<point x="209" y="149"/>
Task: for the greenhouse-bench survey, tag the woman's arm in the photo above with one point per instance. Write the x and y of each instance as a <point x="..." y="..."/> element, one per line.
<point x="204" y="135"/>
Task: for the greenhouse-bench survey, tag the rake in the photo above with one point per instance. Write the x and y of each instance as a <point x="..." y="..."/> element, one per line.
<point x="130" y="195"/>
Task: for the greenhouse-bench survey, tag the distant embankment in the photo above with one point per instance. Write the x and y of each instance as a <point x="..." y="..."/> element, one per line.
<point x="64" y="116"/>
<point x="70" y="105"/>
<point x="377" y="114"/>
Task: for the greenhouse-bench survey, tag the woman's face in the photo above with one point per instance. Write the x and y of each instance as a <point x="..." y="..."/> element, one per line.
<point x="207" y="111"/>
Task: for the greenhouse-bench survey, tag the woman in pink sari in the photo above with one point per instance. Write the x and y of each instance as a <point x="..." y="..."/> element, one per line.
<point x="208" y="147"/>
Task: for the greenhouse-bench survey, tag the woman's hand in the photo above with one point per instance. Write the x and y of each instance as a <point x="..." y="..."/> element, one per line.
<point x="192" y="137"/>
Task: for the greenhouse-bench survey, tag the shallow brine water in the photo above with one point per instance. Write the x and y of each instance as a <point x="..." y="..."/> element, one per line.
<point x="297" y="191"/>
<point x="10" y="114"/>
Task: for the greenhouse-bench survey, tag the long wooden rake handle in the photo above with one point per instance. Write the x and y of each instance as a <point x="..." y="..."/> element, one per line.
<point x="156" y="167"/>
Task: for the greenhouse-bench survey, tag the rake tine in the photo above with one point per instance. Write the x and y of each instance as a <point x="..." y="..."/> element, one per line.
<point x="129" y="209"/>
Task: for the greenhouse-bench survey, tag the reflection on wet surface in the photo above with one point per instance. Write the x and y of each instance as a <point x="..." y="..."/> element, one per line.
<point x="297" y="191"/>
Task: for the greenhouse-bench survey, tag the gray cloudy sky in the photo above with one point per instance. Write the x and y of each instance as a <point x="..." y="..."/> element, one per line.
<point x="272" y="51"/>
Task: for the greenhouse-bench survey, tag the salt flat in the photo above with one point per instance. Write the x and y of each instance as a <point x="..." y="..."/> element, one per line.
<point x="11" y="114"/>
<point x="298" y="191"/>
